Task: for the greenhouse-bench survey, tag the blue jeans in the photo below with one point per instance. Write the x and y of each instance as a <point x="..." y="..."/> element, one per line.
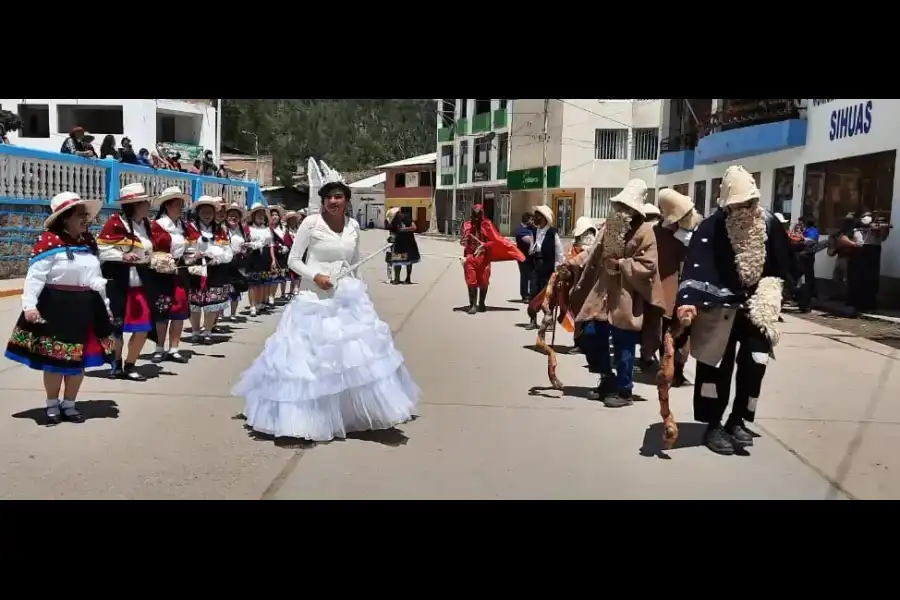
<point x="596" y="339"/>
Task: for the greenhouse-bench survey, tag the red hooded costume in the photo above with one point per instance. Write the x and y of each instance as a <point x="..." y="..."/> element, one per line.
<point x="482" y="245"/>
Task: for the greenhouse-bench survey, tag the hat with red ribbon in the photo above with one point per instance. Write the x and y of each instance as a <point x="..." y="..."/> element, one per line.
<point x="67" y="201"/>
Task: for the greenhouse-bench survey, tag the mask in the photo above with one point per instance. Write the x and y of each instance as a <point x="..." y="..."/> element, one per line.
<point x="866" y="220"/>
<point x="684" y="236"/>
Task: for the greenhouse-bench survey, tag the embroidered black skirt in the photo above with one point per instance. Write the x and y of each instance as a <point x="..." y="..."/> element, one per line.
<point x="211" y="293"/>
<point x="76" y="333"/>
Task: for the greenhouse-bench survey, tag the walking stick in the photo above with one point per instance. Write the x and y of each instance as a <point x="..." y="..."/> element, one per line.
<point x="663" y="384"/>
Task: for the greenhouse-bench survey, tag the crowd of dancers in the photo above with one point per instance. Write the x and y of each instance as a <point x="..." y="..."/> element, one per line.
<point x="329" y="369"/>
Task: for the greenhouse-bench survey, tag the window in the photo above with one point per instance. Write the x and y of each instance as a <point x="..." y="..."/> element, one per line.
<point x="611" y="144"/>
<point x="503" y="147"/>
<point x="399" y="180"/>
<point x="700" y="196"/>
<point x="758" y="178"/>
<point x="783" y="191"/>
<point x="482" y="106"/>
<point x="600" y="204"/>
<point x="446" y="156"/>
<point x="464" y="153"/>
<point x="646" y="144"/>
<point x="715" y="188"/>
<point x="35" y="120"/>
<point x="447" y="110"/>
<point x="464" y="109"/>
<point x="682" y="188"/>
<point x="96" y="119"/>
<point x="503" y="103"/>
<point x="482" y="150"/>
<point x="651" y="196"/>
<point x="425" y="179"/>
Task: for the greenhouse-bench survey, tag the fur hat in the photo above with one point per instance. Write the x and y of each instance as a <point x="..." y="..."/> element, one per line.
<point x="674" y="206"/>
<point x="582" y="224"/>
<point x="633" y="195"/>
<point x="738" y="187"/>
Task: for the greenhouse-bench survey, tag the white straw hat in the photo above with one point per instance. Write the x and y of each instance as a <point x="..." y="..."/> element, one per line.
<point x="545" y="212"/>
<point x="132" y="193"/>
<point x="277" y="208"/>
<point x="67" y="201"/>
<point x="171" y="193"/>
<point x="230" y="207"/>
<point x="582" y="224"/>
<point x="205" y="201"/>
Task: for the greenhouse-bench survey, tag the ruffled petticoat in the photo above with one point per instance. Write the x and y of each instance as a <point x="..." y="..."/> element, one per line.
<point x="329" y="369"/>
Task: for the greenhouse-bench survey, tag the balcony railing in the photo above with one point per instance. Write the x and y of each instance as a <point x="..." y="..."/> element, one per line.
<point x="481" y="122"/>
<point x="678" y="143"/>
<point x="30" y="178"/>
<point x="752" y="112"/>
<point x="481" y="172"/>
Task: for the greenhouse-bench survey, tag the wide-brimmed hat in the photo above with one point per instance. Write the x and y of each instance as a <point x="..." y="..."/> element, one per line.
<point x="234" y="206"/>
<point x="632" y="195"/>
<point x="582" y="224"/>
<point x="67" y="201"/>
<point x="545" y="212"/>
<point x="291" y="214"/>
<point x="171" y="193"/>
<point x="133" y="193"/>
<point x="391" y="213"/>
<point x="738" y="187"/>
<point x="255" y="208"/>
<point x="651" y="210"/>
<point x="205" y="201"/>
<point x="277" y="208"/>
<point x="673" y="205"/>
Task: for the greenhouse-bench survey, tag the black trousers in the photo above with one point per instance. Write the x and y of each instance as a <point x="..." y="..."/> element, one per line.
<point x="526" y="278"/>
<point x="748" y="349"/>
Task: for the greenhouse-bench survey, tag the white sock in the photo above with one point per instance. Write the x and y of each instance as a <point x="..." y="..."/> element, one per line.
<point x="173" y="348"/>
<point x="67" y="404"/>
<point x="52" y="407"/>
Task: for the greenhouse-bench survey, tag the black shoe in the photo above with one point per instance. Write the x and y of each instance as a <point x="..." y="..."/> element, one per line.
<point x="72" y="415"/>
<point x="472" y="309"/>
<point x="532" y="325"/>
<point x="54" y="418"/>
<point x="648" y="365"/>
<point x="606" y="388"/>
<point x="131" y="375"/>
<point x="482" y="297"/>
<point x="678" y="379"/>
<point x="176" y="357"/>
<point x="738" y="434"/>
<point x="157" y="357"/>
<point x="473" y="297"/>
<point x="407" y="281"/>
<point x="718" y="441"/>
<point x="619" y="400"/>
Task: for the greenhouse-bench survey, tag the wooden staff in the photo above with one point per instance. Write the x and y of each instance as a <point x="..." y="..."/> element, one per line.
<point x="560" y="278"/>
<point x="664" y="383"/>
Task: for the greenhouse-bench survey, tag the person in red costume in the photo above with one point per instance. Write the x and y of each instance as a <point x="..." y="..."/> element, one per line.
<point x="482" y="245"/>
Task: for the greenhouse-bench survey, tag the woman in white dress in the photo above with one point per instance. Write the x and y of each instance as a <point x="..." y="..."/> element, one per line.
<point x="261" y="263"/>
<point x="331" y="367"/>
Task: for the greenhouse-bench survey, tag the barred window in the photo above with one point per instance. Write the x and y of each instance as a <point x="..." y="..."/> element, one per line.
<point x="600" y="201"/>
<point x="611" y="144"/>
<point x="646" y="144"/>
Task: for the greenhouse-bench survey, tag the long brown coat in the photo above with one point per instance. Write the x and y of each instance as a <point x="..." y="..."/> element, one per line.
<point x="671" y="253"/>
<point x="626" y="292"/>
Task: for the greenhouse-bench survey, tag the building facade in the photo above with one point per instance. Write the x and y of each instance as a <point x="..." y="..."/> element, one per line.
<point x="473" y="152"/>
<point x="593" y="148"/>
<point x="816" y="159"/>
<point x="410" y="186"/>
<point x="187" y="124"/>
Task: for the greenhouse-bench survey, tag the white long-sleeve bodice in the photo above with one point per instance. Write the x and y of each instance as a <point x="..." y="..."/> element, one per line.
<point x="329" y="251"/>
<point x="83" y="270"/>
<point x="174" y="229"/>
<point x="117" y="252"/>
<point x="260" y="237"/>
<point x="214" y="253"/>
<point x="236" y="239"/>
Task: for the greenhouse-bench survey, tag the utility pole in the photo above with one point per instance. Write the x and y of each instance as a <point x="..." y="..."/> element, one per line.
<point x="544" y="199"/>
<point x="256" y="143"/>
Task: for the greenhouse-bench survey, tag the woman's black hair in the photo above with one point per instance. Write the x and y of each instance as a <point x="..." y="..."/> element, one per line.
<point x="108" y="146"/>
<point x="265" y="218"/>
<point x="162" y="213"/>
<point x="128" y="213"/>
<point x="329" y="187"/>
<point x="59" y="228"/>
<point x="213" y="223"/>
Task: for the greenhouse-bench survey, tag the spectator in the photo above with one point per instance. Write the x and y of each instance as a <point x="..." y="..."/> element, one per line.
<point x="143" y="157"/>
<point x="208" y="166"/>
<point x="223" y="171"/>
<point x="9" y="121"/>
<point x="88" y="141"/>
<point x="195" y="170"/>
<point x="126" y="152"/>
<point x="158" y="158"/>
<point x="3" y="138"/>
<point x="176" y="162"/>
<point x="108" y="148"/>
<point x="74" y="144"/>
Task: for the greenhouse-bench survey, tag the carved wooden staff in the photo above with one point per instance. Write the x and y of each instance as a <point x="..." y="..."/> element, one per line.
<point x="551" y="306"/>
<point x="664" y="380"/>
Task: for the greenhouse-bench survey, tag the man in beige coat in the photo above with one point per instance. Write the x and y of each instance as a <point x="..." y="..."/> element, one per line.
<point x="614" y="287"/>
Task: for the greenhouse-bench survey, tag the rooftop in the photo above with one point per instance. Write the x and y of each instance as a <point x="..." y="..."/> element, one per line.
<point x="370" y="181"/>
<point x="424" y="159"/>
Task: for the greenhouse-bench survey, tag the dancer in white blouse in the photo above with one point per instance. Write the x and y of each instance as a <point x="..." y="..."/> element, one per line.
<point x="210" y="285"/>
<point x="125" y="248"/>
<point x="64" y="326"/>
<point x="238" y="236"/>
<point x="331" y="367"/>
<point x="280" y="241"/>
<point x="261" y="263"/>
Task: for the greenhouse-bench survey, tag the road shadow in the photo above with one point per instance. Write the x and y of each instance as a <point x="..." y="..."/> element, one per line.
<point x="516" y="301"/>
<point x="690" y="435"/>
<point x="392" y="437"/>
<point x="89" y="409"/>
<point x="489" y="309"/>
<point x="559" y="349"/>
<point x="575" y="391"/>
<point x="148" y="370"/>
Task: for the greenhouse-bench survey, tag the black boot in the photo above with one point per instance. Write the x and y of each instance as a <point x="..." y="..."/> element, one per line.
<point x="473" y="296"/>
<point x="605" y="388"/>
<point x="396" y="280"/>
<point x="482" y="307"/>
<point x="619" y="400"/>
<point x="532" y="325"/>
<point x="648" y="365"/>
<point x="408" y="279"/>
<point x="735" y="428"/>
<point x="718" y="441"/>
<point x="678" y="379"/>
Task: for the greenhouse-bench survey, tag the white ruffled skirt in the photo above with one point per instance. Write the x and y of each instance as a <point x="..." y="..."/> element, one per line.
<point x="330" y="369"/>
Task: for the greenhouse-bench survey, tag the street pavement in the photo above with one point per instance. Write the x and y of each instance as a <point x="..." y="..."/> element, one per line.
<point x="489" y="427"/>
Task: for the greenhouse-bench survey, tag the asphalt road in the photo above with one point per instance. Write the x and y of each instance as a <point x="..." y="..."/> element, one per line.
<point x="489" y="428"/>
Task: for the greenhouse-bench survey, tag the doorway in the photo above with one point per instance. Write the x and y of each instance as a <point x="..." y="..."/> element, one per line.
<point x="564" y="209"/>
<point x="421" y="219"/>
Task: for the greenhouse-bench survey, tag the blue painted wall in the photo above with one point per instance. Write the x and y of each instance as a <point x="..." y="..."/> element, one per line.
<point x="672" y="162"/>
<point x="21" y="219"/>
<point x="750" y="141"/>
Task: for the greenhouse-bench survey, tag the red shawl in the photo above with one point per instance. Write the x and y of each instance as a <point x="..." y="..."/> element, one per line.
<point x="50" y="243"/>
<point x="115" y="233"/>
<point x="162" y="241"/>
<point x="497" y="247"/>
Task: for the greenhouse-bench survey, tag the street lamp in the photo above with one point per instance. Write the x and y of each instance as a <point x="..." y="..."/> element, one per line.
<point x="256" y="142"/>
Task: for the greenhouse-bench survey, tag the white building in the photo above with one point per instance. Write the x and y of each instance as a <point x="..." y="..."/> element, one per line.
<point x="473" y="154"/>
<point x="594" y="148"/>
<point x="47" y="122"/>
<point x="368" y="200"/>
<point x="813" y="159"/>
